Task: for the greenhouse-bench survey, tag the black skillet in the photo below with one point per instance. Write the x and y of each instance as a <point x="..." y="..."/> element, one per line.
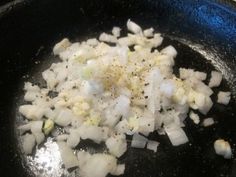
<point x="204" y="33"/>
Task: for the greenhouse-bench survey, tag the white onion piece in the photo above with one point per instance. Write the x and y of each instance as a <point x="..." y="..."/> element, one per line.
<point x="120" y="169"/>
<point x="107" y="38"/>
<point x="223" y="97"/>
<point x="32" y="92"/>
<point x="30" y="87"/>
<point x="148" y="32"/>
<point x="146" y="123"/>
<point x="208" y="122"/>
<point x="93" y="42"/>
<point x="138" y="141"/>
<point x="97" y="134"/>
<point x="36" y="129"/>
<point x="64" y="117"/>
<point x="99" y="165"/>
<point x="116" y="31"/>
<point x="176" y="135"/>
<point x="203" y="88"/>
<point x="117" y="145"/>
<point x="200" y="75"/>
<point x="39" y="137"/>
<point x="133" y="27"/>
<point x="169" y="50"/>
<point x="61" y="46"/>
<point x="167" y="88"/>
<point x="126" y="41"/>
<point x="91" y="88"/>
<point x="194" y="117"/>
<point x="36" y="126"/>
<point x="191" y="74"/>
<point x="24" y="128"/>
<point x="62" y="137"/>
<point x="28" y="143"/>
<point x="205" y="108"/>
<point x="50" y="77"/>
<point x="68" y="157"/>
<point x="32" y="112"/>
<point x="121" y="108"/>
<point x="152" y="145"/>
<point x="122" y="126"/>
<point x="73" y="138"/>
<point x="223" y="148"/>
<point x="122" y="105"/>
<point x="216" y="78"/>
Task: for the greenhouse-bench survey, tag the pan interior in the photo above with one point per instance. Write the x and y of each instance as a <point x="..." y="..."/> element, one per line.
<point x="192" y="159"/>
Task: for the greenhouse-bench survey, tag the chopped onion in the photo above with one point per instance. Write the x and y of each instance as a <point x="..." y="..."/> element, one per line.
<point x="120" y="169"/>
<point x="138" y="141"/>
<point x="62" y="137"/>
<point x="176" y="135"/>
<point x="216" y="78"/>
<point x="223" y="148"/>
<point x="93" y="42"/>
<point x="133" y="27"/>
<point x="152" y="145"/>
<point x="148" y="32"/>
<point x="32" y="112"/>
<point x="107" y="38"/>
<point x="208" y="122"/>
<point x="117" y="145"/>
<point x="28" y="143"/>
<point x="97" y="134"/>
<point x="61" y="46"/>
<point x="64" y="117"/>
<point x="68" y="157"/>
<point x="99" y="165"/>
<point x="223" y="97"/>
<point x="169" y="50"/>
<point x="116" y="31"/>
<point x="103" y="92"/>
<point x="194" y="117"/>
<point x="24" y="128"/>
<point x="73" y="138"/>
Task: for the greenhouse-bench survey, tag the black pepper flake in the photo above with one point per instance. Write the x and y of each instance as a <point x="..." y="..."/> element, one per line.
<point x="132" y="98"/>
<point x="146" y="84"/>
<point x="143" y="60"/>
<point x="146" y="97"/>
<point x="145" y="106"/>
<point x="142" y="92"/>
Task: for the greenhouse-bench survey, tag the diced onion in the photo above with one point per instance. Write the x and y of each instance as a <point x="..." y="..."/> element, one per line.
<point x="138" y="141"/>
<point x="68" y="157"/>
<point x="223" y="97"/>
<point x="152" y="145"/>
<point x="176" y="135"/>
<point x="28" y="143"/>
<point x="216" y="78"/>
<point x="223" y="148"/>
<point x="208" y="122"/>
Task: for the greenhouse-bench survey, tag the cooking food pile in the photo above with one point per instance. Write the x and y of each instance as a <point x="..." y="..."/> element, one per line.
<point x="112" y="87"/>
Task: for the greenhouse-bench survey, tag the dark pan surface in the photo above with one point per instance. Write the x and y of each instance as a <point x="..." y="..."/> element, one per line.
<point x="204" y="33"/>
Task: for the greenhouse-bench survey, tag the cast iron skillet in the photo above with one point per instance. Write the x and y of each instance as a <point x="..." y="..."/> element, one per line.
<point x="204" y="33"/>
